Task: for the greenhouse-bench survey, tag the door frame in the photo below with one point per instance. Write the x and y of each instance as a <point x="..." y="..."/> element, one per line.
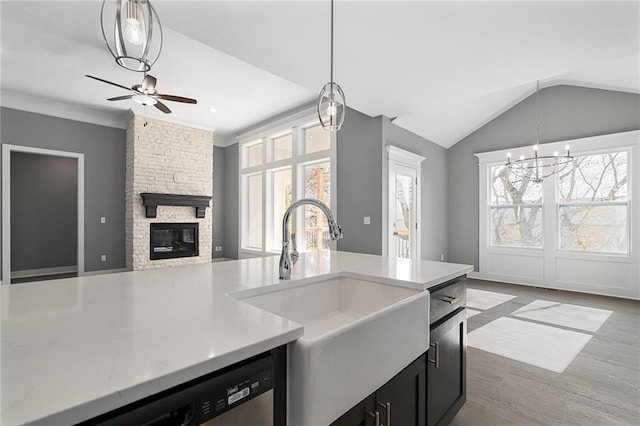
<point x="7" y="149"/>
<point x="396" y="156"/>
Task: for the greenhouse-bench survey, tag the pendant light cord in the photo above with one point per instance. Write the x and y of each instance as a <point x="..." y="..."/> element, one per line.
<point x="331" y="41"/>
<point x="538" y="112"/>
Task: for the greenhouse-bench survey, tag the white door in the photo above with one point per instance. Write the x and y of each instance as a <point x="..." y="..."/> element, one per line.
<point x="403" y="212"/>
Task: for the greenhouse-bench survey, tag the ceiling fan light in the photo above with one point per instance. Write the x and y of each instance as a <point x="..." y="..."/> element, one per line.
<point x="145" y="100"/>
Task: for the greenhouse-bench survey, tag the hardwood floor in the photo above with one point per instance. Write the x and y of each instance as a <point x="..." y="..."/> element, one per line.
<point x="600" y="386"/>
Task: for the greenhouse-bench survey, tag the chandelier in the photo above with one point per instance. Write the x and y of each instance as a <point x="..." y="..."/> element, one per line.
<point x="132" y="31"/>
<point x="331" y="103"/>
<point x="538" y="167"/>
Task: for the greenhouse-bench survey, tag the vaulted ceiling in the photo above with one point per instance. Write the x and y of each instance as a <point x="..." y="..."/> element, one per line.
<point x="443" y="68"/>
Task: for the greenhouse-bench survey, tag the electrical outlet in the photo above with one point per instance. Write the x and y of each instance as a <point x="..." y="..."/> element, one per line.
<point x="366" y="220"/>
<point x="442" y="257"/>
<point x="103" y="219"/>
<point x="103" y="258"/>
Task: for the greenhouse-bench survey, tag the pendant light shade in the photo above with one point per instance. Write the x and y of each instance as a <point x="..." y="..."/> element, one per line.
<point x="132" y="31"/>
<point x="332" y="106"/>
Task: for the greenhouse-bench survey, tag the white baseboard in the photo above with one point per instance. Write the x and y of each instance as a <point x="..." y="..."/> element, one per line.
<point x="44" y="271"/>
<point x="499" y="279"/>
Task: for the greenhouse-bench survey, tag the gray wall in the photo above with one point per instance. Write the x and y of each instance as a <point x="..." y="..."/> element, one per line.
<point x="566" y="112"/>
<point x="217" y="202"/>
<point x="359" y="168"/>
<point x="433" y="187"/>
<point x="44" y="211"/>
<point x="104" y="157"/>
<point x="231" y="219"/>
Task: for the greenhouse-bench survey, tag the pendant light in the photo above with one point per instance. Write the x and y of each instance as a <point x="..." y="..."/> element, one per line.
<point x="331" y="102"/>
<point x="538" y="167"/>
<point x="135" y="33"/>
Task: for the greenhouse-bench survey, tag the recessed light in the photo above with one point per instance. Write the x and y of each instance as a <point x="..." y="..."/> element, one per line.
<point x="212" y="109"/>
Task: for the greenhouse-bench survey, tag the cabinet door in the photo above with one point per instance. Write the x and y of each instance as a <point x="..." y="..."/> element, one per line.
<point x="358" y="415"/>
<point x="405" y="396"/>
<point x="446" y="371"/>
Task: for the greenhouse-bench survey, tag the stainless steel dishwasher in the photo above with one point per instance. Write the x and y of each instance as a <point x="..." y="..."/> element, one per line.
<point x="240" y="395"/>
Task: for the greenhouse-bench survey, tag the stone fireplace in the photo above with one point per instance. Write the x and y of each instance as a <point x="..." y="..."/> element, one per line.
<point x="174" y="161"/>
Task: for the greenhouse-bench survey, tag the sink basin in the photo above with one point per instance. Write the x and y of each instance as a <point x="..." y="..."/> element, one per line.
<point x="357" y="335"/>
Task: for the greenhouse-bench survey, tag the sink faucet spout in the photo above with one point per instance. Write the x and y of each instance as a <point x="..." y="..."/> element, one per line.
<point x="288" y="258"/>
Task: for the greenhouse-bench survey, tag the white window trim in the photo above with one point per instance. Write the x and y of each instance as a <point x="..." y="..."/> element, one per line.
<point x="295" y="123"/>
<point x="551" y="253"/>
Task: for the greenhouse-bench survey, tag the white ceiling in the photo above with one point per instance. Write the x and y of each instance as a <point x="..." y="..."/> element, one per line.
<point x="443" y="68"/>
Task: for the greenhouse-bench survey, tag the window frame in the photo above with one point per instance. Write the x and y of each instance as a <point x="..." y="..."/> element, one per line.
<point x="295" y="124"/>
<point x="559" y="204"/>
<point x="491" y="206"/>
<point x="617" y="142"/>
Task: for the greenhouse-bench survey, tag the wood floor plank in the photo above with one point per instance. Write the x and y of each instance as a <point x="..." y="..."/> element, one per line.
<point x="601" y="386"/>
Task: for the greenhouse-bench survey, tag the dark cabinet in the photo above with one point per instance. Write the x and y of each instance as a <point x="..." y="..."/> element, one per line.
<point x="399" y="402"/>
<point x="363" y="414"/>
<point x="446" y="371"/>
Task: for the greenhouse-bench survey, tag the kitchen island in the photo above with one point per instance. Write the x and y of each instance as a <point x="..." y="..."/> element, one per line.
<point x="76" y="348"/>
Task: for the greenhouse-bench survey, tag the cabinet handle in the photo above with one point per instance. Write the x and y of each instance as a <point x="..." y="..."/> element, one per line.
<point x="450" y="299"/>
<point x="376" y="417"/>
<point x="436" y="360"/>
<point x="387" y="410"/>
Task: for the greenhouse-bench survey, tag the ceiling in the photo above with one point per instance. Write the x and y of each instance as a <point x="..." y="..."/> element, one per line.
<point x="443" y="69"/>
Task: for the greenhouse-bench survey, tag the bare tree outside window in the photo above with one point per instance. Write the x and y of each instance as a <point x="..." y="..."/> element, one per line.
<point x="317" y="184"/>
<point x="594" y="203"/>
<point x="516" y="209"/>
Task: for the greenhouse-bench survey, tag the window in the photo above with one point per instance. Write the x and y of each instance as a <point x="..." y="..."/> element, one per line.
<point x="253" y="218"/>
<point x="283" y="165"/>
<point x="515" y="210"/>
<point x="317" y="184"/>
<point x="577" y="230"/>
<point x="593" y="209"/>
<point x="253" y="154"/>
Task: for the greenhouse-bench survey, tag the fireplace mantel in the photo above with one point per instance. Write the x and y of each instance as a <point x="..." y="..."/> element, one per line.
<point x="151" y="201"/>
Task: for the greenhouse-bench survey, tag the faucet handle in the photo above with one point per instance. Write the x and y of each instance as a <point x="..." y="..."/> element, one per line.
<point x="294" y="252"/>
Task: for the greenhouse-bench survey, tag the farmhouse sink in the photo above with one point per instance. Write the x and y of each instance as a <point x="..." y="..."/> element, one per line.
<point x="357" y="335"/>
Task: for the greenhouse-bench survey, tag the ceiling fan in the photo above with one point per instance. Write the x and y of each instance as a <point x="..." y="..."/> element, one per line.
<point x="146" y="93"/>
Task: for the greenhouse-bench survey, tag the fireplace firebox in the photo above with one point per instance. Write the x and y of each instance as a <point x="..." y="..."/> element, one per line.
<point x="172" y="240"/>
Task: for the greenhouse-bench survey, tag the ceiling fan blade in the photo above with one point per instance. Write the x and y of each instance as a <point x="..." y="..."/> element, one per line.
<point x="175" y="98"/>
<point x="162" y="107"/>
<point x="149" y="84"/>
<point x="120" y="98"/>
<point x="109" y="82"/>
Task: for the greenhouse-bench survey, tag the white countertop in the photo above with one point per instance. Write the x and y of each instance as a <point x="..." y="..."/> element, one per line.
<point x="75" y="348"/>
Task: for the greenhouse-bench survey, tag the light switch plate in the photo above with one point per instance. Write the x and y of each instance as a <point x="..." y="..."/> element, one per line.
<point x="103" y="219"/>
<point x="367" y="220"/>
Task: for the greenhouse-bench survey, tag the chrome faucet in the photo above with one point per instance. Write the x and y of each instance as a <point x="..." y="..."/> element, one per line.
<point x="287" y="258"/>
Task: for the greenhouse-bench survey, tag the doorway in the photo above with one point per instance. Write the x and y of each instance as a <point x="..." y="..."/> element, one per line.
<point x="403" y="203"/>
<point x="43" y="190"/>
